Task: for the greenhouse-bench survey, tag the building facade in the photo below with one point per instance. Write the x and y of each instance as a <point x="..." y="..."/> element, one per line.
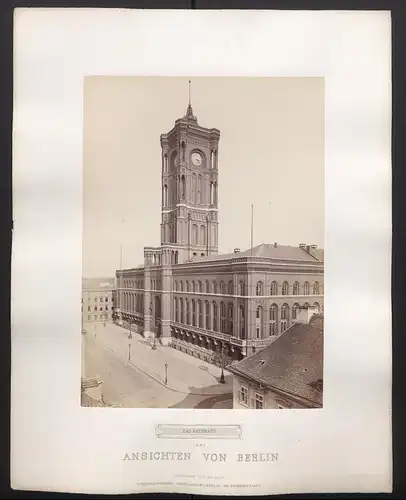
<point x="186" y="293"/>
<point x="97" y="300"/>
<point x="286" y="374"/>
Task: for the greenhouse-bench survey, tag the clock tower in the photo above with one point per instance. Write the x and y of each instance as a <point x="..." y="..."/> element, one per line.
<point x="189" y="225"/>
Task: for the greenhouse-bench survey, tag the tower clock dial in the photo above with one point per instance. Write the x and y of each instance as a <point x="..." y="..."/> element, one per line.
<point x="197" y="159"/>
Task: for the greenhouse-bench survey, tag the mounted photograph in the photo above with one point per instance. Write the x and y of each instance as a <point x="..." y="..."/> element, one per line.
<point x="203" y="242"/>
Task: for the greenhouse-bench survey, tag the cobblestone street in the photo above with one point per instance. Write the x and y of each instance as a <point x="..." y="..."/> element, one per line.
<point x="139" y="382"/>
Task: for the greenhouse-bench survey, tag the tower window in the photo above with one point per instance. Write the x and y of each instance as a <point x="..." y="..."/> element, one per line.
<point x="260" y="288"/>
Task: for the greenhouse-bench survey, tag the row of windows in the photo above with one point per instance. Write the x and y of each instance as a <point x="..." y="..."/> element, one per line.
<point x="256" y="401"/>
<point x="97" y="317"/>
<point x="259" y="289"/>
<point x="192" y="313"/>
<point x="132" y="302"/>
<point x="101" y="299"/>
<point x="95" y="308"/>
<point x="133" y="284"/>
<point x="210" y="316"/>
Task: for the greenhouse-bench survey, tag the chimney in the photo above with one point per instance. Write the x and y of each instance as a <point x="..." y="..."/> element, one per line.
<point x="236" y="250"/>
<point x="305" y="313"/>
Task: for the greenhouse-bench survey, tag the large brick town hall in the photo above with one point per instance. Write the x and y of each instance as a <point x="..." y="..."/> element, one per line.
<point x="189" y="295"/>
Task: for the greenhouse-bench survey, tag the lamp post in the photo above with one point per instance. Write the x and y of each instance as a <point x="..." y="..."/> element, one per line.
<point x="166" y="373"/>
<point x="222" y="379"/>
<point x="150" y="312"/>
<point x="129" y="352"/>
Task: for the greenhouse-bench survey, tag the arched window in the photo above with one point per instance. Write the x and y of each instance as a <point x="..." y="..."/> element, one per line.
<point x="306" y="288"/>
<point x="295" y="309"/>
<point x="182" y="311"/>
<point x="175" y="286"/>
<point x="274" y="288"/>
<point x="194" y="235"/>
<point x="241" y="320"/>
<point x="199" y="189"/>
<point x="193" y="287"/>
<point x="181" y="286"/>
<point x="194" y="182"/>
<point x="200" y="287"/>
<point x="214" y="286"/>
<point x="202" y="235"/>
<point x="207" y="286"/>
<point x="176" y="257"/>
<point x="202" y="254"/>
<point x="230" y="288"/>
<point x="200" y="309"/>
<point x="207" y="311"/>
<point x="193" y="312"/>
<point x="273" y="320"/>
<point x="222" y="318"/>
<point x="187" y="286"/>
<point x="284" y="317"/>
<point x="296" y="288"/>
<point x="157" y="307"/>
<point x="285" y="288"/>
<point x="187" y="312"/>
<point x="316" y="288"/>
<point x="259" y="290"/>
<point x="306" y="305"/>
<point x="230" y="312"/>
<point x="258" y="323"/>
<point x="176" y="310"/>
<point x="215" y="318"/>
<point x="241" y="288"/>
<point x="222" y="288"/>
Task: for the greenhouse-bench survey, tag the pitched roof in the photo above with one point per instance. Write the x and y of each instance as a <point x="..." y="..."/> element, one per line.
<point x="279" y="252"/>
<point x="293" y="363"/>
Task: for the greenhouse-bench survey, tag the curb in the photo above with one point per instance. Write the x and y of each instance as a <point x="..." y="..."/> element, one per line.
<point x="161" y="383"/>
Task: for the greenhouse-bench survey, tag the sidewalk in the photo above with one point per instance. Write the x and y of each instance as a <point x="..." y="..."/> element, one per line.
<point x="186" y="374"/>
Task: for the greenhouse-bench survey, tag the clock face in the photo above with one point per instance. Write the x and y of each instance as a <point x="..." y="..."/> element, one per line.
<point x="196" y="159"/>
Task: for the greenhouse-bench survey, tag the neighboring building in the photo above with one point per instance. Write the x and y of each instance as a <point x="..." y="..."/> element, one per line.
<point x="287" y="373"/>
<point x="97" y="300"/>
<point x="189" y="294"/>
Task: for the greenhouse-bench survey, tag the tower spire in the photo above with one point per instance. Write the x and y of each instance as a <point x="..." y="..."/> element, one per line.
<point x="189" y="113"/>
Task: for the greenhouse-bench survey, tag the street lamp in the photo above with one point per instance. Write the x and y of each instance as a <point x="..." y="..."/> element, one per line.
<point x="166" y="373"/>
<point x="222" y="379"/>
<point x="150" y="312"/>
<point x="129" y="352"/>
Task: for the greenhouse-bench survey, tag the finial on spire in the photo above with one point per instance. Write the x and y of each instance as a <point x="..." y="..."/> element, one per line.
<point x="189" y="112"/>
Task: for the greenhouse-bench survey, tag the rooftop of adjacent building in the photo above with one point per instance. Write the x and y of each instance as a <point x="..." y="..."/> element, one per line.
<point x="293" y="363"/>
<point x="97" y="283"/>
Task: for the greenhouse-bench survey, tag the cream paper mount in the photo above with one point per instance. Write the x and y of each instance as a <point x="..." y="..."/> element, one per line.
<point x="122" y="380"/>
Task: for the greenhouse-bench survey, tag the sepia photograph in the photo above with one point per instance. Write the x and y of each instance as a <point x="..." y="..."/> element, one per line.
<point x="185" y="203"/>
<point x="203" y="256"/>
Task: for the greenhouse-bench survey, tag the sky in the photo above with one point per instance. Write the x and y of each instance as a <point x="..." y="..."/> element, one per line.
<point x="271" y="155"/>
